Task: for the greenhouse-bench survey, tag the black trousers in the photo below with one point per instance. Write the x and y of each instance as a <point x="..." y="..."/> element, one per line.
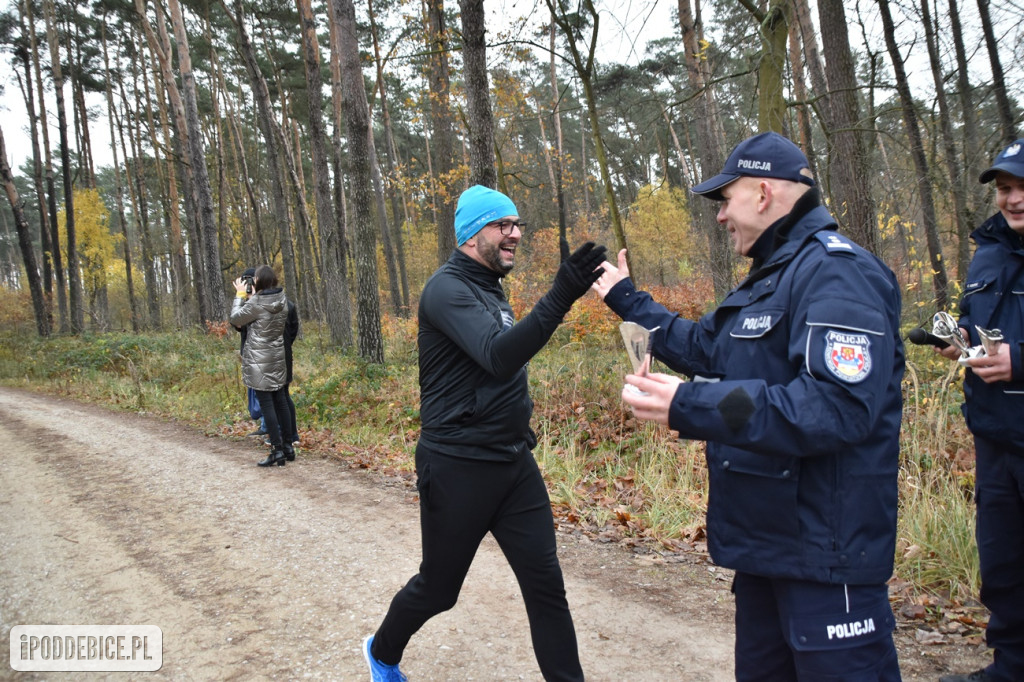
<point x="276" y="415"/>
<point x="999" y="494"/>
<point x="461" y="500"/>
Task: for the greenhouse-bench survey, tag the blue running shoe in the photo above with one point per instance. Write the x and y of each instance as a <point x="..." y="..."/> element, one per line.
<point x="380" y="672"/>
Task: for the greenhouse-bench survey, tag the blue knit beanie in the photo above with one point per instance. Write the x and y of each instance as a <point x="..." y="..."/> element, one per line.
<point x="478" y="206"/>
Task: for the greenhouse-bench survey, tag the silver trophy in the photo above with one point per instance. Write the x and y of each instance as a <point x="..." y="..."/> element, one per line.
<point x="990" y="339"/>
<point x="638" y="340"/>
<point x="945" y="327"/>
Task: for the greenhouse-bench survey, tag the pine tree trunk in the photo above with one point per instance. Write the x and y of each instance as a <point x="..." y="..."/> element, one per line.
<point x="28" y="254"/>
<point x="357" y="124"/>
<point x="850" y="187"/>
<point x="957" y="185"/>
<point x="1003" y="106"/>
<point x="443" y="130"/>
<point x="332" y="236"/>
<point x="118" y="193"/>
<point x="77" y="312"/>
<point x="478" y="95"/>
<point x="920" y="161"/>
<point x="33" y="80"/>
<point x="392" y="182"/>
<point x="710" y="143"/>
<point x="208" y="235"/>
<point x="271" y="135"/>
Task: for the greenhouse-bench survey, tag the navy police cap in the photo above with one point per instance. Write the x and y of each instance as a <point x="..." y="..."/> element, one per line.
<point x="1010" y="160"/>
<point x="768" y="155"/>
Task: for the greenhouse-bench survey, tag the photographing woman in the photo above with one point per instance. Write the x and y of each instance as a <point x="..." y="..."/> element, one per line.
<point x="264" y="368"/>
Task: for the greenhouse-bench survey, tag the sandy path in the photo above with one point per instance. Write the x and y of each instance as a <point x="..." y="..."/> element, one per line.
<point x="115" y="518"/>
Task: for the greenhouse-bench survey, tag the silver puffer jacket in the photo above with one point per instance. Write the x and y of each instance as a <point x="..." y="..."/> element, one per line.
<point x="263" y="359"/>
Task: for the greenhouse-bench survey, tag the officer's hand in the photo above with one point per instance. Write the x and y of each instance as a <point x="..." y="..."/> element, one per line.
<point x="578" y="272"/>
<point x="611" y="275"/>
<point x="660" y="390"/>
<point x="992" y="368"/>
<point x="950" y="352"/>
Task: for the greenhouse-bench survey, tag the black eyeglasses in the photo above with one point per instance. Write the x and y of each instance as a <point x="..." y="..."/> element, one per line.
<point x="506" y="226"/>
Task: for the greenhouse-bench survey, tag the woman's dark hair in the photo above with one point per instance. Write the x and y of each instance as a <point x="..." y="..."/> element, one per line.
<point x="265" y="278"/>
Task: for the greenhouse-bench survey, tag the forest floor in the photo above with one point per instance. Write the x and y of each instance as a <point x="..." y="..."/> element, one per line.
<point x="120" y="518"/>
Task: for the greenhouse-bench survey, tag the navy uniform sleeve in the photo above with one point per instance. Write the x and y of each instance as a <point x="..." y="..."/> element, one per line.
<point x="847" y="363"/>
<point x="683" y="345"/>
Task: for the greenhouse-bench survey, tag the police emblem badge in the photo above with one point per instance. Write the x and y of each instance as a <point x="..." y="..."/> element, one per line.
<point x="848" y="356"/>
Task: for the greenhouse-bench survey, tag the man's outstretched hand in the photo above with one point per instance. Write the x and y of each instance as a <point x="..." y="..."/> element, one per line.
<point x="578" y="272"/>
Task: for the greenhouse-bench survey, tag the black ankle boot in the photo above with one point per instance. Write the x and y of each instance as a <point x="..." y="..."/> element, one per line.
<point x="289" y="452"/>
<point x="276" y="456"/>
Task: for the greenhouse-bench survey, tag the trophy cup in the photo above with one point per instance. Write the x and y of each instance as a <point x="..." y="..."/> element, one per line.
<point x="990" y="339"/>
<point x="638" y="341"/>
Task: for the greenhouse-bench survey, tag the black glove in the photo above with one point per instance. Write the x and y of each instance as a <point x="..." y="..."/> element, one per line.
<point x="576" y="274"/>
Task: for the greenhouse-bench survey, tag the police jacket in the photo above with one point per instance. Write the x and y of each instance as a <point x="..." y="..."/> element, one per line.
<point x="994" y="299"/>
<point x="474" y="397"/>
<point x="263" y="356"/>
<point x="797" y="392"/>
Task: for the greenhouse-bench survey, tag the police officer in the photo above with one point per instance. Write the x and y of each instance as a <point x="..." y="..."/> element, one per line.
<point x="796" y="389"/>
<point x="994" y="392"/>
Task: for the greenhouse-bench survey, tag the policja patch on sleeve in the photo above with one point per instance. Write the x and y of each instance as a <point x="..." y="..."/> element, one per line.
<point x="848" y="355"/>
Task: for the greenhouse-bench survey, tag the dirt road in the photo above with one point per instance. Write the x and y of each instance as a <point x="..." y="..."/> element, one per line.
<point x="115" y="518"/>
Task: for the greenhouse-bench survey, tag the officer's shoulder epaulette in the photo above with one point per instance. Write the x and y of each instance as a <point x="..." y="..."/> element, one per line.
<point x="835" y="244"/>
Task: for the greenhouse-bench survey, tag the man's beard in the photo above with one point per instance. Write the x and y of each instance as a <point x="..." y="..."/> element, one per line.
<point x="491" y="254"/>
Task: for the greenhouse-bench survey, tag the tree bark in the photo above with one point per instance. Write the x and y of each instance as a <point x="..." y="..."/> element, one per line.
<point x="920" y="161"/>
<point x="33" y="80"/>
<point x="711" y="143"/>
<point x="585" y="68"/>
<point x="1003" y="106"/>
<point x="478" y="95"/>
<point x="361" y="152"/>
<point x="392" y="180"/>
<point x="77" y="312"/>
<point x="28" y="254"/>
<point x="118" y="193"/>
<point x="851" y="191"/>
<point x="208" y="235"/>
<point x="973" y="151"/>
<point x="443" y="127"/>
<point x="957" y="184"/>
<point x="271" y="132"/>
<point x="335" y="267"/>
